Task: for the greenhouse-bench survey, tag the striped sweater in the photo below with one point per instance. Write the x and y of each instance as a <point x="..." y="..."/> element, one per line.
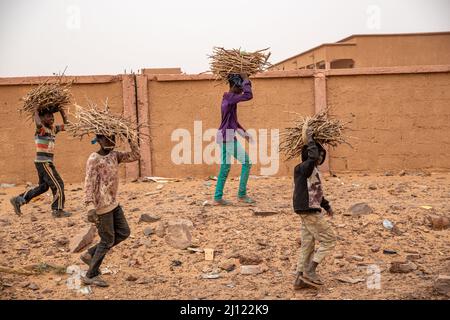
<point x="45" y="142"/>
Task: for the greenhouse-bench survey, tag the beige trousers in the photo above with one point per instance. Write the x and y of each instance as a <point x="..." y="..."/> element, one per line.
<point x="314" y="227"/>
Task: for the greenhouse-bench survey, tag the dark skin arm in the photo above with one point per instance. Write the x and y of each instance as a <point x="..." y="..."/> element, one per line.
<point x="63" y="116"/>
<point x="247" y="137"/>
<point x="244" y="76"/>
<point x="37" y="120"/>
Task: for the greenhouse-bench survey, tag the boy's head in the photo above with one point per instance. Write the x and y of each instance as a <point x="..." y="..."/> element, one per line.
<point x="106" y="142"/>
<point x="47" y="118"/>
<point x="235" y="82"/>
<point x="322" y="154"/>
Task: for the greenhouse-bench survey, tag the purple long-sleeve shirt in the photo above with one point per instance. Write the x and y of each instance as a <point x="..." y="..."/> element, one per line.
<point x="230" y="123"/>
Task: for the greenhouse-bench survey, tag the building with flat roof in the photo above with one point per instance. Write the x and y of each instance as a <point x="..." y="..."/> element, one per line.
<point x="374" y="50"/>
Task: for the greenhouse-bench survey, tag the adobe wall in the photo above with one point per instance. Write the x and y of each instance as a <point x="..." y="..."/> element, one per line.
<point x="17" y="138"/>
<point x="177" y="104"/>
<point x="400" y="121"/>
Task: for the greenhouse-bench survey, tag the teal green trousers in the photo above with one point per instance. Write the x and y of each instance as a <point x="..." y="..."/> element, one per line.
<point x="228" y="149"/>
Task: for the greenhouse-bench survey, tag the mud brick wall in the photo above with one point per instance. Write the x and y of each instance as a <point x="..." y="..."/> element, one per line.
<point x="17" y="134"/>
<point x="400" y="122"/>
<point x="400" y="119"/>
<point x="177" y="104"/>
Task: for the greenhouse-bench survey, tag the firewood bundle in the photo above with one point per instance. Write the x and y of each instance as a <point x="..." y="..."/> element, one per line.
<point x="224" y="62"/>
<point x="52" y="97"/>
<point x="92" y="120"/>
<point x="326" y="131"/>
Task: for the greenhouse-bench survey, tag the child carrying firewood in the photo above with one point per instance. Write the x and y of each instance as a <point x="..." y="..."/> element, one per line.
<point x="102" y="182"/>
<point x="308" y="202"/>
<point x="240" y="90"/>
<point x="48" y="176"/>
<point x="101" y="186"/>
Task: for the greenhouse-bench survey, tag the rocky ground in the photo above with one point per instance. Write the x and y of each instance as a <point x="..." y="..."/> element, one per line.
<point x="401" y="259"/>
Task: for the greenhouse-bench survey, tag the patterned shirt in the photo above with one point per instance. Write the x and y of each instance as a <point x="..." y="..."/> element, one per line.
<point x="45" y="142"/>
<point x="102" y="179"/>
<point x="315" y="191"/>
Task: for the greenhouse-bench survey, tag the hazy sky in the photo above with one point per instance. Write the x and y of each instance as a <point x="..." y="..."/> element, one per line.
<point x="39" y="37"/>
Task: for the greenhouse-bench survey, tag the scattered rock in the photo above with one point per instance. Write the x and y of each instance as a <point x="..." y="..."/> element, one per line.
<point x="389" y="251"/>
<point x="251" y="269"/>
<point x="148" y="231"/>
<point x="71" y="223"/>
<point x="388" y="174"/>
<point x="249" y="259"/>
<point x="350" y="280"/>
<point x="160" y="230"/>
<point x="395" y="230"/>
<point x="402" y="173"/>
<point x="357" y="258"/>
<point x="144" y="280"/>
<point x="375" y="248"/>
<point x="149" y="218"/>
<point x="61" y="242"/>
<point x="438" y="222"/>
<point x="413" y="257"/>
<point x="372" y="187"/>
<point x="210" y="276"/>
<point x="402" y="267"/>
<point x="33" y="286"/>
<point x="131" y="278"/>
<point x="338" y="255"/>
<point x="135" y="210"/>
<point x="227" y="265"/>
<point x="396" y="208"/>
<point x="263" y="213"/>
<point x="83" y="239"/>
<point x="360" y="208"/>
<point x="176" y="263"/>
<point x="178" y="233"/>
<point x="388" y="224"/>
<point x="50" y="252"/>
<point x="47" y="291"/>
<point x="195" y="249"/>
<point x="442" y="285"/>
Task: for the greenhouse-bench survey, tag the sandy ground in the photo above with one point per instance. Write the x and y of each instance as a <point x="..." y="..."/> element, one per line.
<point x="163" y="272"/>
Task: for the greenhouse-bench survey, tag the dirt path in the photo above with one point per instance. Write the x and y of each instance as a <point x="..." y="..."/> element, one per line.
<point x="159" y="271"/>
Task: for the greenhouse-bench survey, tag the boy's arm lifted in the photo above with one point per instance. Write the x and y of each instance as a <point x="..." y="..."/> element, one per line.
<point x="313" y="155"/>
<point x="61" y="127"/>
<point x="130" y="156"/>
<point x="246" y="94"/>
<point x="37" y="120"/>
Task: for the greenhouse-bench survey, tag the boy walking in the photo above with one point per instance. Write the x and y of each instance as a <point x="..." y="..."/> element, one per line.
<point x="101" y="186"/>
<point x="240" y="90"/>
<point x="48" y="176"/>
<point x="308" y="202"/>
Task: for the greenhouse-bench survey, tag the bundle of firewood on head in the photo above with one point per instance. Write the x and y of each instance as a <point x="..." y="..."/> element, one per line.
<point x="46" y="97"/>
<point x="93" y="121"/>
<point x="225" y="62"/>
<point x="325" y="131"/>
